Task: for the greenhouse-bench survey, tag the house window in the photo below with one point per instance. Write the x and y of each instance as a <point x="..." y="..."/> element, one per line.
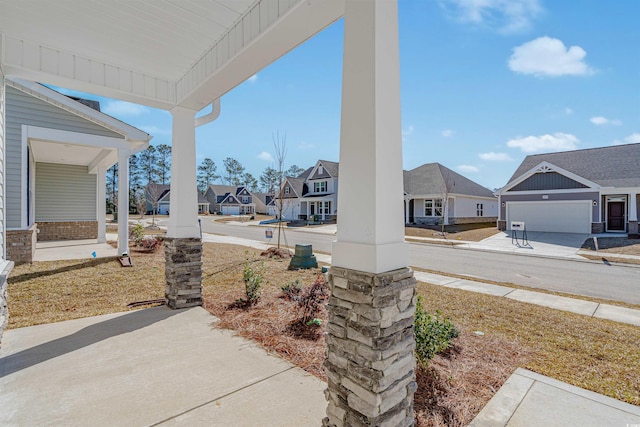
<point x="286" y="190"/>
<point x="479" y="209"/>
<point x="320" y="170"/>
<point x="327" y="207"/>
<point x="245" y="199"/>
<point x="433" y="207"/>
<point x="320" y="187"/>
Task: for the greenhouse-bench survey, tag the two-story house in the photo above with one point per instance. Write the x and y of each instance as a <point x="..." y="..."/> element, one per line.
<point x="230" y="200"/>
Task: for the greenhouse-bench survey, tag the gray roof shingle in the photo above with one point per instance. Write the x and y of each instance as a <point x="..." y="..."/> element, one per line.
<point x="433" y="178"/>
<point x="614" y="166"/>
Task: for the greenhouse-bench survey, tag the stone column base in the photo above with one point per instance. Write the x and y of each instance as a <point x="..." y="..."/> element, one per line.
<point x="633" y="228"/>
<point x="370" y="361"/>
<point x="597" y="227"/>
<point x="183" y="271"/>
<point x="502" y="225"/>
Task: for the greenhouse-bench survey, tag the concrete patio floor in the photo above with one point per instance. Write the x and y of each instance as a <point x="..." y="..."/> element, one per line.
<point x="149" y="367"/>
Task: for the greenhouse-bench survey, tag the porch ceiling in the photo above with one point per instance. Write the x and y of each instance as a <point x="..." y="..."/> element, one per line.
<point x="160" y="53"/>
<point x="72" y="154"/>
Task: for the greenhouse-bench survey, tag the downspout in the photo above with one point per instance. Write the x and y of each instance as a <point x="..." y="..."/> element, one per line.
<point x="208" y="118"/>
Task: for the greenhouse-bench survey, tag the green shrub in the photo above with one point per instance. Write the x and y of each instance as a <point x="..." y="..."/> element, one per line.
<point x="253" y="278"/>
<point x="137" y="232"/>
<point x="432" y="333"/>
<point x="292" y="290"/>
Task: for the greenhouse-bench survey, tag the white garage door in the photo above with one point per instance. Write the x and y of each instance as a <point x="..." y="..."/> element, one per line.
<point x="557" y="217"/>
<point x="230" y="210"/>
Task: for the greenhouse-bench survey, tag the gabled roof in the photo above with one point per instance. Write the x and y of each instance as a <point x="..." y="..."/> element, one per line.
<point x="614" y="166"/>
<point x="164" y="193"/>
<point x="297" y="184"/>
<point x="433" y="178"/>
<point x="223" y="189"/>
<point x="332" y="168"/>
<point x="80" y="108"/>
<point x="157" y="190"/>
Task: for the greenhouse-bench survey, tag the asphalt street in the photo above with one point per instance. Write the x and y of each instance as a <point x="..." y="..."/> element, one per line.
<point x="587" y="278"/>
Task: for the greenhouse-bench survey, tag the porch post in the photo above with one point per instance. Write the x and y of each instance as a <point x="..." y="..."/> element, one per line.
<point x="123" y="201"/>
<point x="101" y="204"/>
<point x="370" y="362"/>
<point x="183" y="247"/>
<point x="633" y="214"/>
<point x="406" y="210"/>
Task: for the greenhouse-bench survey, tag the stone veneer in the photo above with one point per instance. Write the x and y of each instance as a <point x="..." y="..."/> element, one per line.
<point x="183" y="271"/>
<point x="597" y="227"/>
<point x="21" y="245"/>
<point x="370" y="360"/>
<point x="67" y="230"/>
<point x="633" y="228"/>
<point x="4" y="309"/>
<point x="502" y="225"/>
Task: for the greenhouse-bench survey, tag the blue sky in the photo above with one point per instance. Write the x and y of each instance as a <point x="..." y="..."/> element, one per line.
<point x="483" y="84"/>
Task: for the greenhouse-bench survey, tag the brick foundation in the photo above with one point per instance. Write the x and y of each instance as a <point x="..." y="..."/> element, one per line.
<point x="183" y="272"/>
<point x="21" y="245"/>
<point x="597" y="227"/>
<point x="369" y="360"/>
<point x="67" y="230"/>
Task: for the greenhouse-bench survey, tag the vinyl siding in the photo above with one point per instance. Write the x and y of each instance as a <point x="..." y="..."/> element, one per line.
<point x="3" y="231"/>
<point x="64" y="193"/>
<point x="23" y="109"/>
<point x="547" y="181"/>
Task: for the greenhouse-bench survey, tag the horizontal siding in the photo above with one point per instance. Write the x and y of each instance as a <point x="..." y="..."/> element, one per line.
<point x="64" y="193"/>
<point x="23" y="109"/>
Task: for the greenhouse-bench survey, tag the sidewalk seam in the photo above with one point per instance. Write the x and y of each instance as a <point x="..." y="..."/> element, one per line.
<point x="596" y="310"/>
<point x="173" y="417"/>
<point x="520" y="403"/>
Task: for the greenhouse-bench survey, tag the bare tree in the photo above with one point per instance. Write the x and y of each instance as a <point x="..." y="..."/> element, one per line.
<point x="140" y="198"/>
<point x="280" y="146"/>
<point x="153" y="193"/>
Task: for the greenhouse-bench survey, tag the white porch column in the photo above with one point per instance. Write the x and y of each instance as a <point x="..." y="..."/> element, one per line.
<point x="633" y="207"/>
<point x="370" y="362"/>
<point x="406" y="210"/>
<point x="371" y="142"/>
<point x="183" y="246"/>
<point x="101" y="205"/>
<point x="183" y="207"/>
<point x="123" y="202"/>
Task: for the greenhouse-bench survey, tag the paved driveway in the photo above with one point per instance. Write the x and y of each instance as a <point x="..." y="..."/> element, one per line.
<point x="538" y="243"/>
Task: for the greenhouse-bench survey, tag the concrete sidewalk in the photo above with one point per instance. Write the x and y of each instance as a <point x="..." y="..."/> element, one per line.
<point x="146" y="368"/>
<point x="530" y="399"/>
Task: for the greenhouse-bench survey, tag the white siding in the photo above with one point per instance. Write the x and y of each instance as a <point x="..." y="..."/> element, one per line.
<point x="465" y="207"/>
<point x="65" y="193"/>
<point x="23" y="109"/>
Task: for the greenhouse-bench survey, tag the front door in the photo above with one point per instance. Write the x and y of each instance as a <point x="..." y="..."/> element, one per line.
<point x="615" y="216"/>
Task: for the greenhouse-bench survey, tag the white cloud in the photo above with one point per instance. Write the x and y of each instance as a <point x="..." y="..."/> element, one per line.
<point x="267" y="157"/>
<point x="253" y="78"/>
<point x="495" y="157"/>
<point x="408" y="131"/>
<point x="568" y="111"/>
<point x="447" y="133"/>
<point x="546" y="56"/>
<point x="124" y="109"/>
<point x="155" y="130"/>
<point x="599" y="120"/>
<point x="536" y="144"/>
<point x="505" y="16"/>
<point x="305" y="145"/>
<point x="468" y="168"/>
<point x="634" y="138"/>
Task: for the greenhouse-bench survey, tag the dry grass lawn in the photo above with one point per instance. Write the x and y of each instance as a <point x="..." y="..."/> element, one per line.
<point x="468" y="232"/>
<point x="614" y="245"/>
<point x="591" y="353"/>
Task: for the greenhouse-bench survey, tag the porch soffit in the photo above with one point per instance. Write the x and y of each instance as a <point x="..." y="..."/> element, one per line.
<point x="162" y="53"/>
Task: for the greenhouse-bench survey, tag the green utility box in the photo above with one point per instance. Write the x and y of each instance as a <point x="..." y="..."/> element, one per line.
<point x="303" y="258"/>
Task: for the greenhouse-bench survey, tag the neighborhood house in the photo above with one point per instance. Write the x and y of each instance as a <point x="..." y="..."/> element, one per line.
<point x="583" y="191"/>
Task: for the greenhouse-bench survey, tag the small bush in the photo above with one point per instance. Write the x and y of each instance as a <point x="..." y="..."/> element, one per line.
<point x="292" y="290"/>
<point x="253" y="278"/>
<point x="312" y="300"/>
<point x="137" y="232"/>
<point x="150" y="243"/>
<point x="432" y="333"/>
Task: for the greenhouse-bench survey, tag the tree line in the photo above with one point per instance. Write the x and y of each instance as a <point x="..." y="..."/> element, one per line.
<point x="153" y="166"/>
